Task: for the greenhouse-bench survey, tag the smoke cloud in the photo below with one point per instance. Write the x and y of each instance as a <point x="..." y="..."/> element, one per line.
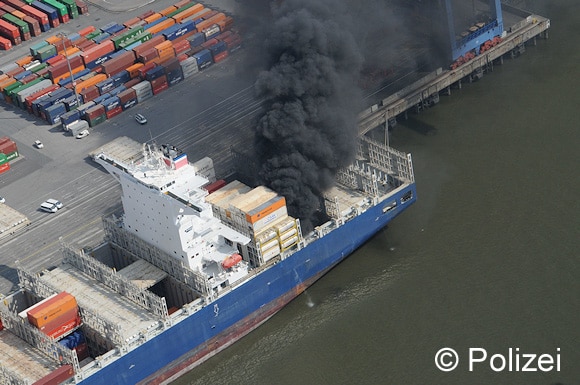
<point x="309" y="127"/>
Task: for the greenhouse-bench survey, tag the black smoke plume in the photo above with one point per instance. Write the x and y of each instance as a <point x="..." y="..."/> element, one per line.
<point x="309" y="127"/>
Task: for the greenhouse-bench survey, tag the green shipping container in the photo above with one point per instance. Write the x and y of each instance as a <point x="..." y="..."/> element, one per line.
<point x="98" y="120"/>
<point x="61" y="8"/>
<point x="93" y="34"/>
<point x="34" y="49"/>
<point x="12" y="156"/>
<point x="46" y="52"/>
<point x="129" y="35"/>
<point x="22" y="26"/>
<point x="142" y="38"/>
<point x="8" y="90"/>
<point x="3" y="159"/>
<point x="178" y="10"/>
<point x="71" y="6"/>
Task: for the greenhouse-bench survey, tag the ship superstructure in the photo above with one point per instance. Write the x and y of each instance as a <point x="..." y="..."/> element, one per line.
<point x="187" y="269"/>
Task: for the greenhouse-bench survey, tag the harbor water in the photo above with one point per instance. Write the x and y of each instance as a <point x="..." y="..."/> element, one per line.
<point x="487" y="262"/>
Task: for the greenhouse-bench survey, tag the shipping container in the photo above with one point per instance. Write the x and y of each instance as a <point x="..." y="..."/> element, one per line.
<point x="154" y="16"/>
<point x="22" y="26"/>
<point x="167" y="10"/>
<point x="160" y="26"/>
<point x="33" y="97"/>
<point x="145" y="15"/>
<point x="119" y="63"/>
<point x="61" y="9"/>
<point x="46" y="52"/>
<point x="133" y="70"/>
<point x="71" y="7"/>
<point x="155" y="73"/>
<point x="70" y="117"/>
<point x="177" y="31"/>
<point x="114" y="112"/>
<point x="50" y="309"/>
<point x="30" y="89"/>
<point x="39" y="16"/>
<point x="53" y="113"/>
<point x="212" y="31"/>
<point x="196" y="39"/>
<point x="136" y="40"/>
<point x="4" y="167"/>
<point x="112" y="28"/>
<point x="10" y="32"/>
<point x="82" y="7"/>
<point x="33" y="25"/>
<point x="58" y="376"/>
<point x="220" y="56"/>
<point x="67" y="80"/>
<point x="148" y="45"/>
<point x="132" y="22"/>
<point x="51" y="12"/>
<point x="87" y="30"/>
<point x="128" y="35"/>
<point x="101" y="37"/>
<point x="98" y="51"/>
<point x="90" y="82"/>
<point x="90" y="93"/>
<point x="203" y="59"/>
<point x="188" y="12"/>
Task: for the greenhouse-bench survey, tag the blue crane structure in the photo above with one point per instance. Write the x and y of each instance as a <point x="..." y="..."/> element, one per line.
<point x="478" y="35"/>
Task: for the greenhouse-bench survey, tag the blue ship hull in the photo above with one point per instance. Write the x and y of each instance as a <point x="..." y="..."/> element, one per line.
<point x="214" y="327"/>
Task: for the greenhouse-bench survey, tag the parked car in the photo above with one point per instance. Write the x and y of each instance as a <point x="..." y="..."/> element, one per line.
<point x="51" y="205"/>
<point x="2" y="199"/>
<point x="82" y="134"/>
<point x="38" y="144"/>
<point x="140" y="119"/>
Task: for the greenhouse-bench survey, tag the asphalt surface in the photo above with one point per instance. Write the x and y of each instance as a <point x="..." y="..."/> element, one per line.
<point x="205" y="115"/>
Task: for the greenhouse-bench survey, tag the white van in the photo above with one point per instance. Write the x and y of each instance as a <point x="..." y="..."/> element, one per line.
<point x="55" y="202"/>
<point x="49" y="207"/>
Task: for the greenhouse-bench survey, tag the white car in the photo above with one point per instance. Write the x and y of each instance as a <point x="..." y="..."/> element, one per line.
<point x="55" y="202"/>
<point x="2" y="199"/>
<point x="51" y="205"/>
<point x="38" y="144"/>
<point x="82" y="134"/>
<point x="140" y="119"/>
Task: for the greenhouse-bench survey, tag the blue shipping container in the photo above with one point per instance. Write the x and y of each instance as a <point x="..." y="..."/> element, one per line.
<point x="174" y="77"/>
<point x="64" y="81"/>
<point x="54" y="112"/>
<point x="51" y="12"/>
<point x="129" y="103"/>
<point x="71" y="103"/>
<point x="70" y="117"/>
<point x="22" y="75"/>
<point x="117" y="90"/>
<point x="196" y="39"/>
<point x="203" y="59"/>
<point x="112" y="28"/>
<point x="74" y="37"/>
<point x="45" y="27"/>
<point x="154" y="73"/>
<point x="121" y="77"/>
<point x="61" y="94"/>
<point x="105" y="86"/>
<point x="178" y="30"/>
<point x="163" y="18"/>
<point x="85" y="107"/>
<point x="218" y="48"/>
<point x="111" y="103"/>
<point x="99" y="99"/>
<point x="99" y="38"/>
<point x="98" y="61"/>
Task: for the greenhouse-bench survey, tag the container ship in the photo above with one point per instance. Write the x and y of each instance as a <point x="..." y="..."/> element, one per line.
<point x="192" y="265"/>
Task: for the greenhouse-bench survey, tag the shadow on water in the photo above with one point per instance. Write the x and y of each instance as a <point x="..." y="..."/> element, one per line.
<point x="419" y="126"/>
<point x="11" y="275"/>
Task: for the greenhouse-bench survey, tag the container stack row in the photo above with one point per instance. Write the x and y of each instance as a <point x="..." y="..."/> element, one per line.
<point x="21" y="20"/>
<point x="260" y="213"/>
<point x="97" y="73"/>
<point x="58" y="317"/>
<point x="8" y="152"/>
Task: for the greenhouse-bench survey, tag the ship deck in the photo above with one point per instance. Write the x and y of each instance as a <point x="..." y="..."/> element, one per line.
<point x="23" y="360"/>
<point x="100" y="299"/>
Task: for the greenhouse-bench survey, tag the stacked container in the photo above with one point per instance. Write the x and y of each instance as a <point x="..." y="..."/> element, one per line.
<point x="56" y="315"/>
<point x="143" y="91"/>
<point x="9" y="149"/>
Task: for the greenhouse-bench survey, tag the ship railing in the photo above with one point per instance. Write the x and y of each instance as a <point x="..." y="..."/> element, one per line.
<point x="56" y="352"/>
<point x="115" y="281"/>
<point x="8" y="377"/>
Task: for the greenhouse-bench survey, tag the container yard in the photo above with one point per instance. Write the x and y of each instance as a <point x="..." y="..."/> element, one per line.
<point x="103" y="71"/>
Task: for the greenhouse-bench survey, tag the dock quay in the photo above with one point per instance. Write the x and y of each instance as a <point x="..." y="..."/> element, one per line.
<point x="425" y="92"/>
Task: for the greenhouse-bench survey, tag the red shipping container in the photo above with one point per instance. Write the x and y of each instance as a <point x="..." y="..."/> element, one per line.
<point x="82" y="351"/>
<point x="95" y="111"/>
<point x="10" y="32"/>
<point x="148" y="55"/>
<point x="34" y="25"/>
<point x="63" y="324"/>
<point x="31" y="98"/>
<point x="15" y="3"/>
<point x="132" y="82"/>
<point x="127" y="95"/>
<point x="223" y="35"/>
<point x="57" y="377"/>
<point x="132" y="22"/>
<point x="4" y="167"/>
<point x="8" y="147"/>
<point x="159" y="81"/>
<point x="114" y="112"/>
<point x="220" y="56"/>
<point x="28" y="79"/>
<point x="118" y="63"/>
<point x="82" y="6"/>
<point x="214" y="186"/>
<point x="160" y="88"/>
<point x="148" y="44"/>
<point x="5" y="44"/>
<point x="146" y="14"/>
<point x="209" y="43"/>
<point x="97" y="51"/>
<point x="181" y="3"/>
<point x="90" y="93"/>
<point x="4" y="139"/>
<point x="85" y="45"/>
<point x="55" y="59"/>
<point x="15" y="71"/>
<point x="41" y="17"/>
<point x="181" y="46"/>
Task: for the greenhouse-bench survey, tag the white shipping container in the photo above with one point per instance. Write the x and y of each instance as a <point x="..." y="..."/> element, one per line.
<point x="267" y="221"/>
<point x="266" y="236"/>
<point x="285" y="225"/>
<point x="271" y="253"/>
<point x="288" y="234"/>
<point x="32" y="89"/>
<point x="204" y="167"/>
<point x="143" y="97"/>
<point x="144" y="85"/>
<point x="269" y="245"/>
<point x="289" y="242"/>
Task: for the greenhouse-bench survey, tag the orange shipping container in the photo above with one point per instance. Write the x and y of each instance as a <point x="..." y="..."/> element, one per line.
<point x="24" y="61"/>
<point x="211" y="21"/>
<point x="47" y="311"/>
<point x="167" y="45"/>
<point x="265" y="209"/>
<point x="90" y="82"/>
<point x="161" y="26"/>
<point x="152" y="18"/>
<point x="188" y="12"/>
<point x="18" y="14"/>
<point x="167" y="10"/>
<point x="134" y="70"/>
<point x="85" y="31"/>
<point x="6" y="83"/>
<point x="181" y="3"/>
<point x="70" y="51"/>
<point x="67" y="74"/>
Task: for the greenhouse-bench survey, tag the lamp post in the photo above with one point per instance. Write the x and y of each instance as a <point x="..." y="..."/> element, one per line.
<point x="72" y="79"/>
